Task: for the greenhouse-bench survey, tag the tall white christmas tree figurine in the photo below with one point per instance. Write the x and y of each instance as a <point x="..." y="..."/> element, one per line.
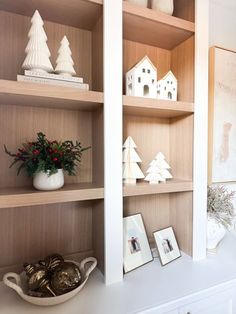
<point x="131" y="170"/>
<point x="64" y="60"/>
<point x="37" y="58"/>
<point x="158" y="170"/>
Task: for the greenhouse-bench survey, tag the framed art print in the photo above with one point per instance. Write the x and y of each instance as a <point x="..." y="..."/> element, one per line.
<point x="137" y="251"/>
<point x="222" y="116"/>
<point x="166" y="245"/>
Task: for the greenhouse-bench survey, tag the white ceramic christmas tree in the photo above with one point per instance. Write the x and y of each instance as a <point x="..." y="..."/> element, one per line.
<point x="37" y="58"/>
<point x="64" y="60"/>
<point x="131" y="170"/>
<point x="158" y="170"/>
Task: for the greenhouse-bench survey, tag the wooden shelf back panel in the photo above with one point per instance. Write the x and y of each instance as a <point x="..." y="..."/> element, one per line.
<point x="39" y="95"/>
<point x="182" y="65"/>
<point x="181" y="219"/>
<point x="77" y="13"/>
<point x="145" y="188"/>
<point x="14" y="30"/>
<point x="154" y="28"/>
<point x="156" y="107"/>
<point x="21" y="123"/>
<point x="18" y="197"/>
<point x="185" y="9"/>
<point x="30" y="233"/>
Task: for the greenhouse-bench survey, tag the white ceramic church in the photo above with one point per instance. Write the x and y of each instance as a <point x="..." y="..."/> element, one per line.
<point x="141" y="81"/>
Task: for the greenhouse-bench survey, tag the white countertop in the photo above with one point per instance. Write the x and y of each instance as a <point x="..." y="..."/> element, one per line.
<point x="146" y="287"/>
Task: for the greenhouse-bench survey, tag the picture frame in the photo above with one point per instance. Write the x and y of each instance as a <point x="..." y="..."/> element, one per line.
<point x="137" y="251"/>
<point x="221" y="119"/>
<point x="167" y="245"/>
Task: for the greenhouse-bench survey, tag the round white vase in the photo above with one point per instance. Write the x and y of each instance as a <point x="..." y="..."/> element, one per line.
<point x="143" y="3"/>
<point x="165" y="6"/>
<point x="215" y="233"/>
<point x="42" y="181"/>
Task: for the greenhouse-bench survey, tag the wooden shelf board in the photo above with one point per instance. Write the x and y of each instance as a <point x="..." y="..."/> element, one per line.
<point x="155" y="28"/>
<point x="28" y="196"/>
<point x="156" y="107"/>
<point x="78" y="13"/>
<point x="145" y="188"/>
<point x="39" y="95"/>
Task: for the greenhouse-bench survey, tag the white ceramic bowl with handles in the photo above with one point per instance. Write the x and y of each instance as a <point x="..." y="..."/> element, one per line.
<point x="21" y="284"/>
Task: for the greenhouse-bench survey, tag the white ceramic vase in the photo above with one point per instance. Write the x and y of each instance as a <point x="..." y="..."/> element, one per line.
<point x="165" y="6"/>
<point x="215" y="233"/>
<point x="143" y="3"/>
<point x="42" y="181"/>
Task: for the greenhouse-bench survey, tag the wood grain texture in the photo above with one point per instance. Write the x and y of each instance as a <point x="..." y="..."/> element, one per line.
<point x="155" y="210"/>
<point x="98" y="234"/>
<point x="170" y="186"/>
<point x="98" y="147"/>
<point x="182" y="65"/>
<point x="13" y="39"/>
<point x="156" y="107"/>
<point x="31" y="233"/>
<point x="151" y="135"/>
<point x="185" y="9"/>
<point x="134" y="52"/>
<point x="77" y="13"/>
<point x="154" y="27"/>
<point x="97" y="56"/>
<point x="19" y="124"/>
<point x="18" y="197"/>
<point x="181" y="219"/>
<point x="39" y="95"/>
<point x="181" y="147"/>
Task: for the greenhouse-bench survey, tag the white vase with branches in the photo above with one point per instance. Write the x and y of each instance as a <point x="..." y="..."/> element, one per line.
<point x="220" y="215"/>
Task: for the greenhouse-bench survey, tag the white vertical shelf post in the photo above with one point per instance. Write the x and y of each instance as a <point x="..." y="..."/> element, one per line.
<point x="200" y="129"/>
<point x="113" y="199"/>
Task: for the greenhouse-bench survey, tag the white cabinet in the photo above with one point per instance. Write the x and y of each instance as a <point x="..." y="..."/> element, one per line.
<point x="220" y="303"/>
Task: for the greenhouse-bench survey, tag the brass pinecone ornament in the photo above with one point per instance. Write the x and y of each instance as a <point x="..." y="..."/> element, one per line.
<point x="52" y="276"/>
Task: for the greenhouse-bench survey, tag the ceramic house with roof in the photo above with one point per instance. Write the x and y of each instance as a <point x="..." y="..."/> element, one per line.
<point x="141" y="80"/>
<point x="167" y="87"/>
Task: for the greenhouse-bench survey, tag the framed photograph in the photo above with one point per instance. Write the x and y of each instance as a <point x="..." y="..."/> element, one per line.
<point x="137" y="251"/>
<point x="166" y="245"/>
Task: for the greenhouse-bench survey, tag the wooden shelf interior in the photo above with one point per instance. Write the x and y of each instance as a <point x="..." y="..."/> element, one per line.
<point x="30" y="233"/>
<point x="86" y="45"/>
<point x="180" y="61"/>
<point x="163" y="210"/>
<point x="156" y="28"/>
<point x="68" y="221"/>
<point x="77" y="13"/>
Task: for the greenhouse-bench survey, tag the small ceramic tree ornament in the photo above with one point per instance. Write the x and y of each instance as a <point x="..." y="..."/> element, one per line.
<point x="131" y="170"/>
<point x="37" y="52"/>
<point x="158" y="170"/>
<point x="64" y="60"/>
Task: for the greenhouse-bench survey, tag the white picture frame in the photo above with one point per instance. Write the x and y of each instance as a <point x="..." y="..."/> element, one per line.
<point x="137" y="250"/>
<point x="167" y="245"/>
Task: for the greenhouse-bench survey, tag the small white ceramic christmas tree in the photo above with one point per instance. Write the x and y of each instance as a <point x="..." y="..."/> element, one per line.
<point x="37" y="58"/>
<point x="131" y="170"/>
<point x="64" y="60"/>
<point x="158" y="170"/>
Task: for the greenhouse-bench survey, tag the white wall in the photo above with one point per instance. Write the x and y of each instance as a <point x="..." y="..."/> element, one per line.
<point x="222" y="33"/>
<point x="223" y="23"/>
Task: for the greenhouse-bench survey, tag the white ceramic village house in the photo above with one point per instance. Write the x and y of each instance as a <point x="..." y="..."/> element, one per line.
<point x="167" y="87"/>
<point x="141" y="80"/>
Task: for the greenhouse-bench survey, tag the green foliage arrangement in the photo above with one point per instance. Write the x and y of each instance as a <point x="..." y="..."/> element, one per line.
<point x="219" y="205"/>
<point x="47" y="156"/>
